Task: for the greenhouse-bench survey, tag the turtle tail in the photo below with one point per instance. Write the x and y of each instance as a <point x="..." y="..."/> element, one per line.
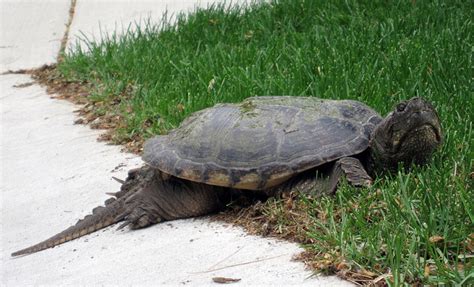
<point x="101" y="217"/>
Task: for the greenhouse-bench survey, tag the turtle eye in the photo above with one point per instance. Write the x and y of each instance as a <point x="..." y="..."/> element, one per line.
<point x="401" y="107"/>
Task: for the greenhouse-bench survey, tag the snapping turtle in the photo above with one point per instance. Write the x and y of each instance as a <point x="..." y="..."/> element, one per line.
<point x="262" y="147"/>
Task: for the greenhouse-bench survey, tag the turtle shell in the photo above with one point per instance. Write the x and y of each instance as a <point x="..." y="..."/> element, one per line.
<point x="263" y="141"/>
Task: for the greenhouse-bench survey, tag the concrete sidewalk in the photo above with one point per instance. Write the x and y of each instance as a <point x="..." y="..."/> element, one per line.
<point x="54" y="172"/>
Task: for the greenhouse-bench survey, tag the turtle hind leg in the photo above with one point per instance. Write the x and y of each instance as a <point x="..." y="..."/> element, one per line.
<point x="161" y="198"/>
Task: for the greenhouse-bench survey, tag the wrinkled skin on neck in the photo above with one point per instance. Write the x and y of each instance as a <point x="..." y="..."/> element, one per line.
<point x="408" y="135"/>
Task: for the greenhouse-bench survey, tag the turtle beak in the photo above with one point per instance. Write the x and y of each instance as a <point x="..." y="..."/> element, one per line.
<point x="421" y="115"/>
<point x="410" y="133"/>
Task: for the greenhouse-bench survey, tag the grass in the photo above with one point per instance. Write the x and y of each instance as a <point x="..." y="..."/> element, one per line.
<point x="415" y="227"/>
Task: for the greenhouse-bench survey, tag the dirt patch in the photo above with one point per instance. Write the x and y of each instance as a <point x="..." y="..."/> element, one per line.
<point x="284" y="218"/>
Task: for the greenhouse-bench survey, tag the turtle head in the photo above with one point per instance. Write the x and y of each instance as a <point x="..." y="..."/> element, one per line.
<point x="409" y="134"/>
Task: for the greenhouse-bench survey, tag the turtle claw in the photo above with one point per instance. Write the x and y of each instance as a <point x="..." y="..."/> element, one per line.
<point x="121" y="216"/>
<point x="123" y="225"/>
<point x="139" y="218"/>
<point x="144" y="221"/>
<point x="137" y="213"/>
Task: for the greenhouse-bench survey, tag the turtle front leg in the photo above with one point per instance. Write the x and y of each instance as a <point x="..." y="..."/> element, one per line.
<point x="157" y="197"/>
<point x="352" y="169"/>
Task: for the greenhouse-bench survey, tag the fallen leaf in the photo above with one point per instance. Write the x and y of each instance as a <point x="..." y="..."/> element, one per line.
<point x="180" y="108"/>
<point x="427" y="271"/>
<point x="248" y="35"/>
<point x="367" y="273"/>
<point x="342" y="265"/>
<point x="24" y="85"/>
<point x="211" y="84"/>
<point x="224" y="280"/>
<point x="436" y="238"/>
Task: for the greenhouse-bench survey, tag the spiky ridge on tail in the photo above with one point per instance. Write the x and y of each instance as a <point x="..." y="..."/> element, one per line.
<point x="101" y="217"/>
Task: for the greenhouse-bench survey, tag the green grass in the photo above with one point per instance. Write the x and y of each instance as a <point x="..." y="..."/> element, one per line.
<point x="378" y="52"/>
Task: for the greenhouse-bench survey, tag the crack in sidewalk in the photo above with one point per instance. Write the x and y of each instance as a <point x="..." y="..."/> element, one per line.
<point x="62" y="49"/>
